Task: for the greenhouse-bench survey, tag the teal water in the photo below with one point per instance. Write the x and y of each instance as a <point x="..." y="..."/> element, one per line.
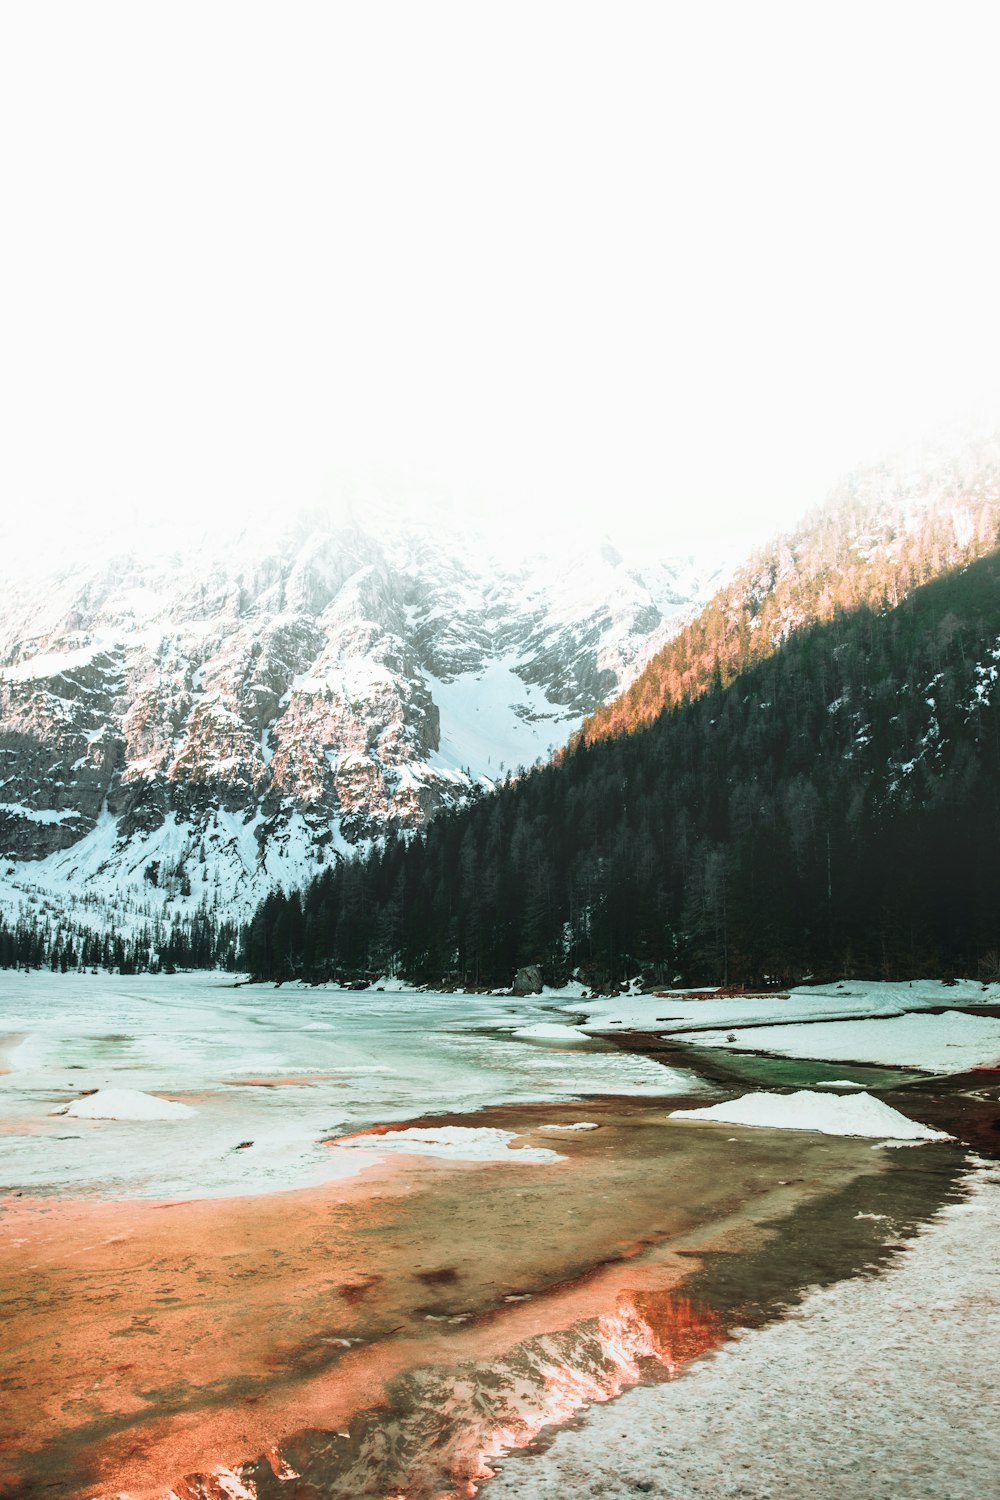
<point x="797" y="1072"/>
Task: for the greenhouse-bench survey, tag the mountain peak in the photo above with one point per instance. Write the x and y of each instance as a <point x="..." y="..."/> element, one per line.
<point x="184" y="729"/>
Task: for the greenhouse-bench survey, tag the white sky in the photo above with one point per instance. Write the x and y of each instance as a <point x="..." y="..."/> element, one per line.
<point x="676" y="265"/>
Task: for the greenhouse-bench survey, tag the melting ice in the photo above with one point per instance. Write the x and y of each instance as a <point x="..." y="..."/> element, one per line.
<point x="268" y="1071"/>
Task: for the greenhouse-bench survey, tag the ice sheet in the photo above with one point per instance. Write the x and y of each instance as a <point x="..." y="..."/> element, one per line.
<point x="271" y="1072"/>
<point x="948" y="1043"/>
<point x="672" y="1012"/>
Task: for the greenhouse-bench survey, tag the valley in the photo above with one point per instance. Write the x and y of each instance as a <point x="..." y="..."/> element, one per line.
<point x="499" y="751"/>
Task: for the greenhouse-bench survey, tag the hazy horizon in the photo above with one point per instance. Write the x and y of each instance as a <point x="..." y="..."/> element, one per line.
<point x="673" y="273"/>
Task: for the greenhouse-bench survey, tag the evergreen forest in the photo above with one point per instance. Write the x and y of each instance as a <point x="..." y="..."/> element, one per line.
<point x="831" y="809"/>
<point x="41" y="940"/>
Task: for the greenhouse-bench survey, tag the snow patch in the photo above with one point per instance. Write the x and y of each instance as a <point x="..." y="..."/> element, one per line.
<point x="51" y="664"/>
<point x="865" y="1001"/>
<point x="805" y="1110"/>
<point x="547" y="1031"/>
<point x="948" y="1043"/>
<point x="493" y="722"/>
<point x="458" y="1141"/>
<point x="125" y="1104"/>
<point x="38" y="814"/>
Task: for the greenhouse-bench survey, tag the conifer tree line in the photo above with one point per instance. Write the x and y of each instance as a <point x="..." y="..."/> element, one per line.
<point x="834" y="809"/>
<point x="40" y="941"/>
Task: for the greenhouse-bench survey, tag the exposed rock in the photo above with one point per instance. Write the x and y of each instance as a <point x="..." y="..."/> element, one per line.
<point x="237" y="718"/>
<point x="528" y="981"/>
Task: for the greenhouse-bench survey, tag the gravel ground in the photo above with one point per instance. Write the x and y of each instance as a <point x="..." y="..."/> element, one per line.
<point x="870" y="1389"/>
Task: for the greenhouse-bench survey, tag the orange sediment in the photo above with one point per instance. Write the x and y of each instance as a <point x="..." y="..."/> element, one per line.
<point x="146" y="1340"/>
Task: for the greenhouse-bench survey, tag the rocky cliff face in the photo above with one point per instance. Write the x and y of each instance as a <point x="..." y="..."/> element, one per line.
<point x="179" y="732"/>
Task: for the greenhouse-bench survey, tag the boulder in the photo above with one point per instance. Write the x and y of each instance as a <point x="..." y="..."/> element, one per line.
<point x="528" y="981"/>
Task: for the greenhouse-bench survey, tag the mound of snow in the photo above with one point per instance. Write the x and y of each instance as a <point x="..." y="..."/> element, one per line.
<point x="859" y="1114"/>
<point x="580" y="1125"/>
<point x="946" y="1043"/>
<point x="548" y="1031"/>
<point x="125" y="1104"/>
<point x="838" y="1083"/>
<point x="457" y="1141"/>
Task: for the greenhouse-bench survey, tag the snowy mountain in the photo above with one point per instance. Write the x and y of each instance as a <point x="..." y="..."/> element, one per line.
<point x="889" y="528"/>
<point x="184" y="730"/>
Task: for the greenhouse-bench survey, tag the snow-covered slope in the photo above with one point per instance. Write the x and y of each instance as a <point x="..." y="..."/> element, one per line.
<point x="188" y="726"/>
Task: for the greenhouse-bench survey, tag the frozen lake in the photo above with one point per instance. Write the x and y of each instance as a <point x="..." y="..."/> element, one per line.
<point x="268" y="1072"/>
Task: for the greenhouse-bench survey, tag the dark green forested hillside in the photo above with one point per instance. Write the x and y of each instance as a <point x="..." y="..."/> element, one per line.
<point x="835" y="808"/>
<point x="879" y="536"/>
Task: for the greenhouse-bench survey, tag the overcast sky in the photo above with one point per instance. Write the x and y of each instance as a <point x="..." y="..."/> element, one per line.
<point x="679" y="265"/>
